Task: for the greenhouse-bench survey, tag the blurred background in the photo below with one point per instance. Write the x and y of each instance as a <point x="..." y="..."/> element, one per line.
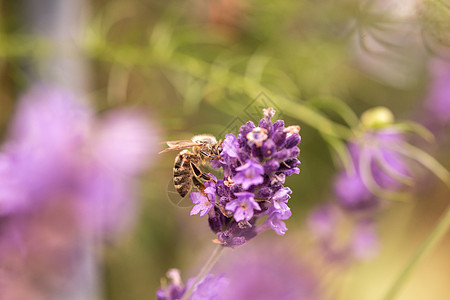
<point x="209" y="66"/>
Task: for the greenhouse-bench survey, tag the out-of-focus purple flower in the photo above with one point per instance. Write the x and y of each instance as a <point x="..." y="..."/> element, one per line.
<point x="116" y="150"/>
<point x="66" y="176"/>
<point x="209" y="288"/>
<point x="328" y="224"/>
<point x="56" y="143"/>
<point x="121" y="142"/>
<point x="243" y="206"/>
<point x="322" y="220"/>
<point x="351" y="191"/>
<point x="174" y="290"/>
<point x="255" y="165"/>
<point x="107" y="202"/>
<point x="12" y="196"/>
<point x="267" y="271"/>
<point x="383" y="170"/>
<point x="48" y="129"/>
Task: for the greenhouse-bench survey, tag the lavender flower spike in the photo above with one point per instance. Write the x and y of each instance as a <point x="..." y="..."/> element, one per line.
<point x="255" y="164"/>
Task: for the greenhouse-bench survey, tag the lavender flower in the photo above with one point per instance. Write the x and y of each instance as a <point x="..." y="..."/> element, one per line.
<point x="251" y="173"/>
<point x="202" y="204"/>
<point x="255" y="165"/>
<point x="204" y="201"/>
<point x="231" y="146"/>
<point x="280" y="199"/>
<point x="208" y="288"/>
<point x="243" y="206"/>
<point x="275" y="220"/>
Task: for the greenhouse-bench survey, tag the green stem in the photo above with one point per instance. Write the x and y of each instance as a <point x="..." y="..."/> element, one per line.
<point x="252" y="88"/>
<point x="435" y="236"/>
<point x="205" y="269"/>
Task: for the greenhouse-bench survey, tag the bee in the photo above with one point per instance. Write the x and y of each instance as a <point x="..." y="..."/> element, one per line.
<point x="185" y="170"/>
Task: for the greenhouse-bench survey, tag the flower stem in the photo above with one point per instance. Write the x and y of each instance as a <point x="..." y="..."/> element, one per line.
<point x="205" y="269"/>
<point x="434" y="237"/>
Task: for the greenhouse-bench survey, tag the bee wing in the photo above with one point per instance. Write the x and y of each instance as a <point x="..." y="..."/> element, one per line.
<point x="178" y="145"/>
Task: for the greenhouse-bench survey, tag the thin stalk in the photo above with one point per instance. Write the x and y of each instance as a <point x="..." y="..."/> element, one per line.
<point x="205" y="269"/>
<point x="435" y="236"/>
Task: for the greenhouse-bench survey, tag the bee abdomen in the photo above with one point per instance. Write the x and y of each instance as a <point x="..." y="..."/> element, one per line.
<point x="183" y="184"/>
<point x="182" y="174"/>
<point x="177" y="180"/>
<point x="184" y="188"/>
<point x="178" y="161"/>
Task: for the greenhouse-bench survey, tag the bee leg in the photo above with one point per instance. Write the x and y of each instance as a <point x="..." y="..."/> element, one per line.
<point x="284" y="163"/>
<point x="213" y="156"/>
<point x="225" y="212"/>
<point x="219" y="148"/>
<point x="198" y="184"/>
<point x="199" y="173"/>
<point x="196" y="178"/>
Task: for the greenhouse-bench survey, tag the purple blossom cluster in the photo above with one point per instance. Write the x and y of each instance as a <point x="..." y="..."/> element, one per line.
<point x="209" y="287"/>
<point x="255" y="165"/>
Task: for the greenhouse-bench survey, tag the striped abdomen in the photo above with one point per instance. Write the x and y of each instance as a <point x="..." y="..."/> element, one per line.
<point x="182" y="172"/>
